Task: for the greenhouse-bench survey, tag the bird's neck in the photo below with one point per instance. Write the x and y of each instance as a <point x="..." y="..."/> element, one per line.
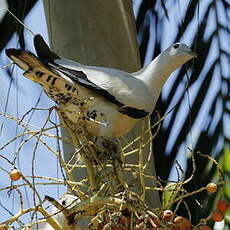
<point x="157" y="72"/>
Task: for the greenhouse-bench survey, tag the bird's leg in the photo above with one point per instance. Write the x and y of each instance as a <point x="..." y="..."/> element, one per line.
<point x="117" y="168"/>
<point x="62" y="209"/>
<point x="109" y="150"/>
<point x="105" y="149"/>
<point x="77" y="142"/>
<point x="111" y="147"/>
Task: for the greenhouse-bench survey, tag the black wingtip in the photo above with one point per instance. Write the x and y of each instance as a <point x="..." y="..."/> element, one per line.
<point x="13" y="52"/>
<point x="49" y="198"/>
<point x="43" y="50"/>
<point x="38" y="39"/>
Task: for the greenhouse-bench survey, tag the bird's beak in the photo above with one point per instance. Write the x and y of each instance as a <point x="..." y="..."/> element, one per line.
<point x="191" y="53"/>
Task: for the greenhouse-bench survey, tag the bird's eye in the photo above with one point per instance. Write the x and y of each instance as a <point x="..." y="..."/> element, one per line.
<point x="176" y="46"/>
<point x="63" y="202"/>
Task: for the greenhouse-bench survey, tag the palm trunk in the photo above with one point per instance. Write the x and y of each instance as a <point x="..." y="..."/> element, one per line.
<point x="97" y="32"/>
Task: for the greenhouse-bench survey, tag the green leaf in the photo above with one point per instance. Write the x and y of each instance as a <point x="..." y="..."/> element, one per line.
<point x="226" y="165"/>
<point x="170" y="193"/>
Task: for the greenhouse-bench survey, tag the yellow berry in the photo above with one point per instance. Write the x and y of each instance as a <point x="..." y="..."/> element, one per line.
<point x="15" y="175"/>
<point x="211" y="187"/>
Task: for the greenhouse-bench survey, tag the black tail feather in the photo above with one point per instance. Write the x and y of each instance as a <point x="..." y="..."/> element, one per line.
<point x="43" y="51"/>
<point x="13" y="52"/>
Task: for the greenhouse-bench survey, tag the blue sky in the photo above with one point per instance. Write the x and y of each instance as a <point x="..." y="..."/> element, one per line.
<point x="23" y="96"/>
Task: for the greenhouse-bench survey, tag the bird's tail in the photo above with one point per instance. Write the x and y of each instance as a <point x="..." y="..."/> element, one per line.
<point x="43" y="51"/>
<point x="56" y="87"/>
<point x="33" y="67"/>
<point x="37" y="67"/>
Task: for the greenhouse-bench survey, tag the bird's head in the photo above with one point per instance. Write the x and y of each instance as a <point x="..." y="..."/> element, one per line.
<point x="69" y="201"/>
<point x="175" y="56"/>
<point x="180" y="51"/>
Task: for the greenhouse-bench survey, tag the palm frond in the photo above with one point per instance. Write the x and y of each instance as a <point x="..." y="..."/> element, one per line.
<point x="8" y="24"/>
<point x="201" y="105"/>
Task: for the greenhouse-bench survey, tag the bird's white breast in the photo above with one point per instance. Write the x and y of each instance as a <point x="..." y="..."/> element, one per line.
<point x="86" y="110"/>
<point x="97" y="117"/>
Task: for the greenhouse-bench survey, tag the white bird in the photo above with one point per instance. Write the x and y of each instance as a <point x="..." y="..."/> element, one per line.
<point x="103" y="102"/>
<point x="67" y="201"/>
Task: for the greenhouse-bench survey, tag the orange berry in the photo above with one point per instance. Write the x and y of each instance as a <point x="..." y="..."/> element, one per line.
<point x="110" y="226"/>
<point x="222" y="205"/>
<point x="205" y="227"/>
<point x="15" y="175"/>
<point x="217" y="216"/>
<point x="182" y="223"/>
<point x="3" y="227"/>
<point x="168" y="215"/>
<point x="211" y="187"/>
<point x="124" y="221"/>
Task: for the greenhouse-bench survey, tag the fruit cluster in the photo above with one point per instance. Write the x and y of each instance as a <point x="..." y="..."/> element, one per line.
<point x="169" y="219"/>
<point x="176" y="223"/>
<point x="170" y="223"/>
<point x="218" y="214"/>
<point x="221" y="208"/>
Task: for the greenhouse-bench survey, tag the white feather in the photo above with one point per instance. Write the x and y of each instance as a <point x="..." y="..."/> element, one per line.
<point x="140" y="89"/>
<point x="70" y="201"/>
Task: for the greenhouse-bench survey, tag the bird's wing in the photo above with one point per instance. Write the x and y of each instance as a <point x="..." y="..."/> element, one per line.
<point x="114" y="85"/>
<point x="124" y="88"/>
